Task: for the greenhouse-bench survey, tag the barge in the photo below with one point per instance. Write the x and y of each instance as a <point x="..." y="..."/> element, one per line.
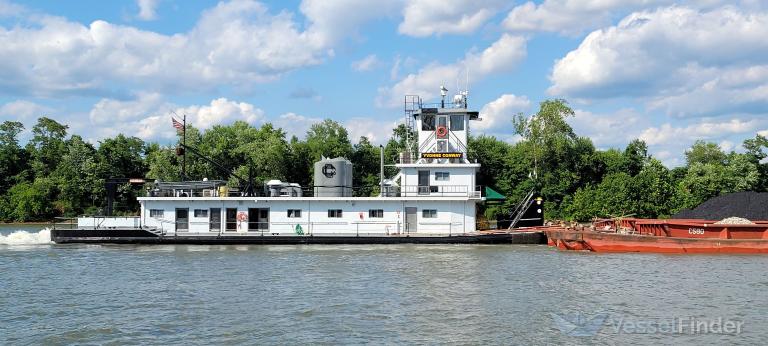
<point x="663" y="236"/>
<point x="433" y="198"/>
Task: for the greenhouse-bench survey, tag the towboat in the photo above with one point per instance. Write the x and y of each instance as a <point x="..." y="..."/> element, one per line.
<point x="432" y="199"/>
<point x="662" y="236"/>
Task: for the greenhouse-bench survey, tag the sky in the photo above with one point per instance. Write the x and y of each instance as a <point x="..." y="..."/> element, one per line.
<point x="667" y="72"/>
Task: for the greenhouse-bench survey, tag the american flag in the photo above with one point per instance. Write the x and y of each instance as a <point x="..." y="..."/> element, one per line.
<point x="179" y="126"/>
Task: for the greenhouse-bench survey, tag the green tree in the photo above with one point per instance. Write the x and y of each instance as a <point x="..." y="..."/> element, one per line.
<point x="267" y="155"/>
<point x="328" y="139"/>
<point x="561" y="161"/>
<point x="756" y="152"/>
<point x="611" y="197"/>
<point x="46" y="146"/>
<point x="163" y="163"/>
<point x="122" y="157"/>
<point x="31" y="201"/>
<point x="366" y="161"/>
<point x="13" y="158"/>
<point x="77" y="178"/>
<point x="653" y="190"/>
<point x="635" y="156"/>
<point x="706" y="180"/>
<point x="705" y="153"/>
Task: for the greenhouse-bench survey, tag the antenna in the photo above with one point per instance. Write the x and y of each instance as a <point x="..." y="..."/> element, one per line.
<point x="466" y="89"/>
<point x="443" y="92"/>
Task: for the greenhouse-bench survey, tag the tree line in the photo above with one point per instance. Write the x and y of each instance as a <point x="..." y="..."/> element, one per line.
<point x="60" y="174"/>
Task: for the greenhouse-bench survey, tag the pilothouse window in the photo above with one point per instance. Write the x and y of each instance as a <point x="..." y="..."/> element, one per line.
<point x="427" y="122"/>
<point x="457" y="123"/>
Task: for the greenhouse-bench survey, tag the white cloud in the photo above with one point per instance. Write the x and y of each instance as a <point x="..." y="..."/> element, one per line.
<point x="377" y="131"/>
<point x="675" y="58"/>
<point x="23" y="110"/>
<point x="496" y="116"/>
<point x="609" y="130"/>
<point x="147" y="9"/>
<point x="221" y="111"/>
<point x="366" y="64"/>
<point x="675" y="139"/>
<point x="705" y="130"/>
<point x="295" y="124"/>
<point x="423" y="18"/>
<point x="331" y="20"/>
<point x="569" y="16"/>
<point x="721" y="90"/>
<point x="235" y="43"/>
<point x="501" y="56"/>
<point x="148" y="116"/>
<point x="110" y="111"/>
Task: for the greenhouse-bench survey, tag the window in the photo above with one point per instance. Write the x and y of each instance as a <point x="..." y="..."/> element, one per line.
<point x="376" y="213"/>
<point x="335" y="213"/>
<point x="457" y="123"/>
<point x="427" y="122"/>
<point x="429" y="213"/>
<point x="442" y="176"/>
<point x="292" y="213"/>
<point x="201" y="212"/>
<point x="156" y="212"/>
<point x="442" y="121"/>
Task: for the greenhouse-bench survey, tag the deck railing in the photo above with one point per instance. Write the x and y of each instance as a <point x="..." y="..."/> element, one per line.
<point x="96" y="222"/>
<point x="369" y="191"/>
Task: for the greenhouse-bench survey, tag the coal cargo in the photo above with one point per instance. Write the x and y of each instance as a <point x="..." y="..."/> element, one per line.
<point x="748" y="205"/>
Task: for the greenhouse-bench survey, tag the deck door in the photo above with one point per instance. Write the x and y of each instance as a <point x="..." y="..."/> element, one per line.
<point x="231" y="220"/>
<point x="423" y="182"/>
<point x="410" y="219"/>
<point x="215" y="219"/>
<point x="182" y="219"/>
<point x="258" y="219"/>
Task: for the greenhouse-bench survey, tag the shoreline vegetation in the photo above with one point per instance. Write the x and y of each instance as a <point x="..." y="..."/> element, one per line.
<point x="60" y="174"/>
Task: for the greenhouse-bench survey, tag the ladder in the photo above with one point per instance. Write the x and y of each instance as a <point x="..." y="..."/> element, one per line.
<point x="520" y="209"/>
<point x="412" y="105"/>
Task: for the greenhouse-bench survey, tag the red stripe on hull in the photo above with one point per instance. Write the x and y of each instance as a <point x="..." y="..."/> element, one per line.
<point x="613" y="242"/>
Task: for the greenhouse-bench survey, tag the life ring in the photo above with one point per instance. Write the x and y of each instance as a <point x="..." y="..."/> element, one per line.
<point x="241" y="216"/>
<point x="442" y="131"/>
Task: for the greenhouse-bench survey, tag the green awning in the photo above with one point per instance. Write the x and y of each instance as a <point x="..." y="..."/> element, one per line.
<point x="492" y="195"/>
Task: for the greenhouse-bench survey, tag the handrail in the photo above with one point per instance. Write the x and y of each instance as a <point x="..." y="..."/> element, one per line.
<point x="426" y="142"/>
<point x="462" y="147"/>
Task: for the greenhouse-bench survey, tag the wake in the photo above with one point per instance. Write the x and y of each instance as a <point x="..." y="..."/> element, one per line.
<point x="42" y="237"/>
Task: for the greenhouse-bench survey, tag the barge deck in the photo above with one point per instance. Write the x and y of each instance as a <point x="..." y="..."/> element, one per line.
<point x="146" y="236"/>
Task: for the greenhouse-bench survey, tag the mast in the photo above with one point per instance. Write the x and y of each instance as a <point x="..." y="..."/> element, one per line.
<point x="184" y="143"/>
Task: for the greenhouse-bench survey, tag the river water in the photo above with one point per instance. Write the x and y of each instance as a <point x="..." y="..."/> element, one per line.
<point x="383" y="294"/>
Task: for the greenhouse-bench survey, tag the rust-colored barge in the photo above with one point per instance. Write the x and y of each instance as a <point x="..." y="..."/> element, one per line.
<point x="662" y="236"/>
